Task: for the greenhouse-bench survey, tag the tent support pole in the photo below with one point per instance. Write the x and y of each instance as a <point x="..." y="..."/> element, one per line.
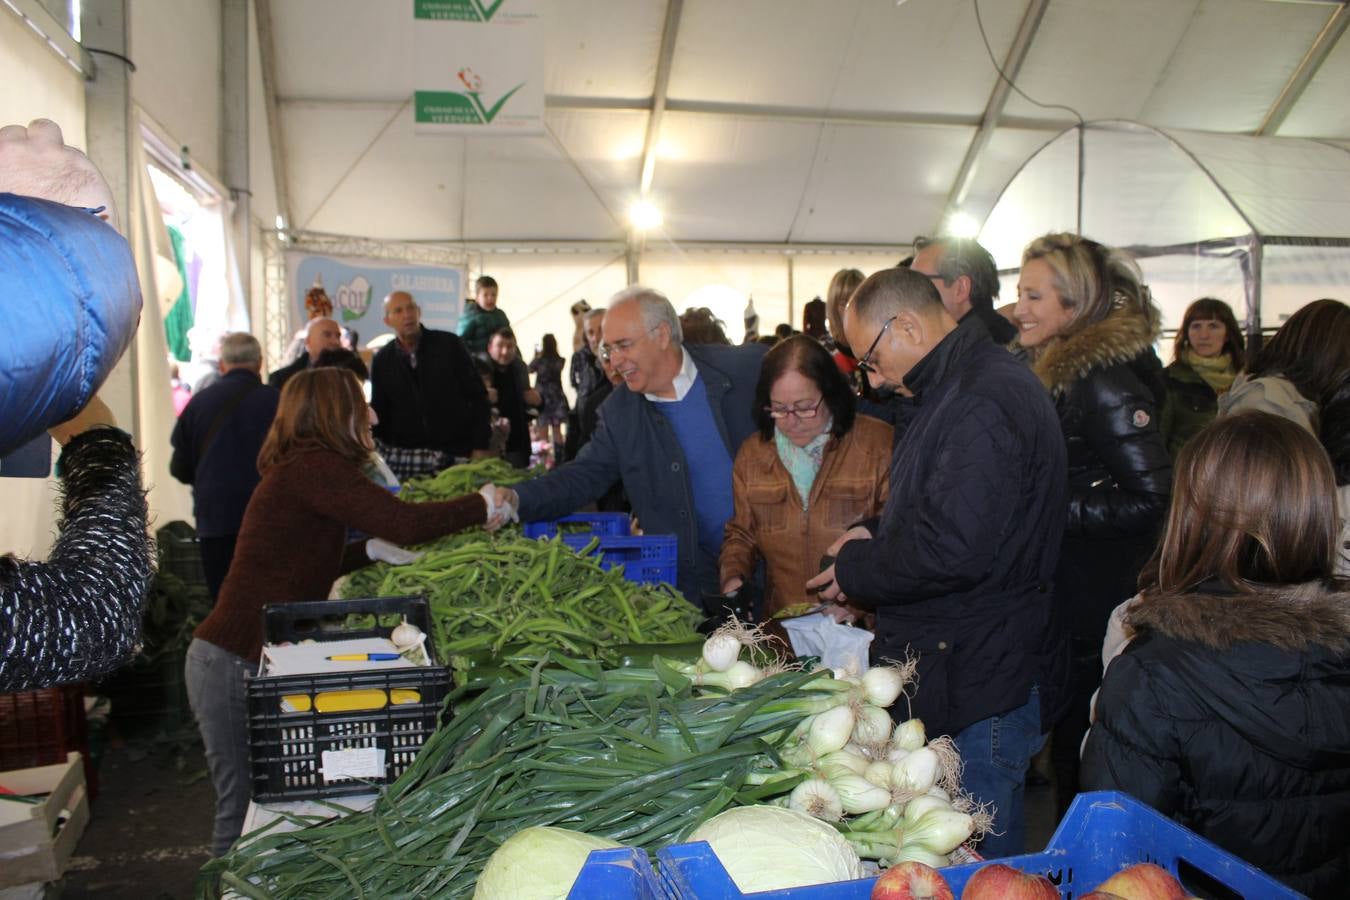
<point x="110" y="127"/>
<point x="234" y="131"/>
<point x="1302" y="76"/>
<point x="1254" y="276"/>
<point x="993" y="109"/>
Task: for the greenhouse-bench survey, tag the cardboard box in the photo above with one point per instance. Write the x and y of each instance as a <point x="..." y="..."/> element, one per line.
<point x="36" y="847"/>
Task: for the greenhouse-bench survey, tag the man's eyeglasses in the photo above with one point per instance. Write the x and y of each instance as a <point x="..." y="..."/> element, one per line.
<point x="865" y="363"/>
<point x="801" y="412"/>
<point x="623" y="346"/>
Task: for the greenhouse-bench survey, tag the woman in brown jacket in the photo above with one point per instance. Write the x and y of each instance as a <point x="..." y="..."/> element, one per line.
<point x="292" y="547"/>
<point x="814" y="469"/>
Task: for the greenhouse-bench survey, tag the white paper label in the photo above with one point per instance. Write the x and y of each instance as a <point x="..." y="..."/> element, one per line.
<point x="362" y="762"/>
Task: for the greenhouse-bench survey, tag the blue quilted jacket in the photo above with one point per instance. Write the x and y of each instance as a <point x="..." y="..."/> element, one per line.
<point x="69" y="304"/>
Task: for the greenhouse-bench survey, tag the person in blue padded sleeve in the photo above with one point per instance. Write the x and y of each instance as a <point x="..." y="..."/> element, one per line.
<point x="72" y="301"/>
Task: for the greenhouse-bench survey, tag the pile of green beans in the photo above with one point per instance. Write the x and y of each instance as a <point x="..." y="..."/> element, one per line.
<point x="634" y="755"/>
<point x="465" y="478"/>
<point x="490" y="594"/>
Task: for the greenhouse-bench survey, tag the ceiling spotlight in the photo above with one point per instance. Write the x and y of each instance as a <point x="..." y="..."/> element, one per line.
<point x="644" y="216"/>
<point x="962" y="225"/>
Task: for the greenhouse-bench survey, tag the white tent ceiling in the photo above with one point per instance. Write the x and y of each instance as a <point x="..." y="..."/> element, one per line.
<point x="787" y="121"/>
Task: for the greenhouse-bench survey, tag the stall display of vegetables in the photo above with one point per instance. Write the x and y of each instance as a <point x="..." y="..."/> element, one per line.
<point x="638" y="756"/>
<point x="508" y="599"/>
<point x="465" y="478"/>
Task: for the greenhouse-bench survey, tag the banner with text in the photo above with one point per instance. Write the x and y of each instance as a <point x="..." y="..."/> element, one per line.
<point x="357" y="287"/>
<point x="479" y="67"/>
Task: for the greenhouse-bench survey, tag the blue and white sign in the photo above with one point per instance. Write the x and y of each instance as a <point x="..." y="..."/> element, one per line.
<point x="358" y="286"/>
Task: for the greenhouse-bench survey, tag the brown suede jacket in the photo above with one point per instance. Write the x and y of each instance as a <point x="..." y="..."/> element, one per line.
<point x="769" y="521"/>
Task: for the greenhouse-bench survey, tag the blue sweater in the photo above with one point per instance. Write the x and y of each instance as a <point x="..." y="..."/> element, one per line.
<point x="635" y="443"/>
<point x="708" y="460"/>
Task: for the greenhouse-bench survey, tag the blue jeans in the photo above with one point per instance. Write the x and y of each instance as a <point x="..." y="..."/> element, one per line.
<point x="997" y="752"/>
<point x="219" y="700"/>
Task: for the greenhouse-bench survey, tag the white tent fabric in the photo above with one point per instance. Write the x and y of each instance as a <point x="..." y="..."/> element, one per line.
<point x="1263" y="223"/>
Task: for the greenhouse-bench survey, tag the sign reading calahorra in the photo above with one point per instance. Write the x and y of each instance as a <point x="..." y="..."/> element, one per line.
<point x="480" y="67"/>
<point x="357" y="287"/>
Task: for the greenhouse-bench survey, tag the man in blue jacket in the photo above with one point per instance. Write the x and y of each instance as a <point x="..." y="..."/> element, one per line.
<point x="215" y="449"/>
<point x="960" y="564"/>
<point x="670" y="433"/>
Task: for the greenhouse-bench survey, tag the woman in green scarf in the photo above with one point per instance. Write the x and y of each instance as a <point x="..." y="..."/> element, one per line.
<point x="1208" y="355"/>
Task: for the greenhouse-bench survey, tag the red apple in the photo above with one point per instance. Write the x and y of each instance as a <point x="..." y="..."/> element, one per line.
<point x="911" y="881"/>
<point x="1144" y="881"/>
<point x="1000" y="882"/>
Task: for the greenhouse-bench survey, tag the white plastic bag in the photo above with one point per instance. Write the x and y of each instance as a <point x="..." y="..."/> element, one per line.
<point x="838" y="646"/>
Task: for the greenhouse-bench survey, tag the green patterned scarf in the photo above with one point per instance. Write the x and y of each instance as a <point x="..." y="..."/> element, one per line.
<point x="802" y="463"/>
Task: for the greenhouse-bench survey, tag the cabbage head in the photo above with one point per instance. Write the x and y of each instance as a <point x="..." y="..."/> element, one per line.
<point x="766" y="848"/>
<point x="539" y="863"/>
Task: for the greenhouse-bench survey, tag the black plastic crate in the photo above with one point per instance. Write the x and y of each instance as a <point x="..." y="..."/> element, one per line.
<point x="287" y="747"/>
<point x="332" y="620"/>
<point x="180" y="553"/>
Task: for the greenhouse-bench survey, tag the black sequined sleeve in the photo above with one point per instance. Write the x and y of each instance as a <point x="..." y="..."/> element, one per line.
<point x="78" y="615"/>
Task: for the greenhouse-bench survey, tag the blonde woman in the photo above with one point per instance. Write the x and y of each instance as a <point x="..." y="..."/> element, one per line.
<point x="1088" y="324"/>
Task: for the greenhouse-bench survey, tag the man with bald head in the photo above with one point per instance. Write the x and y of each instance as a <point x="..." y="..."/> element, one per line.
<point x="431" y="404"/>
<point x="669" y="432"/>
<point x="959" y="566"/>
<point x="320" y="334"/>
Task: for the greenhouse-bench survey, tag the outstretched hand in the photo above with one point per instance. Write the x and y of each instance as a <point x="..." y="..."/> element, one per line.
<point x="35" y="161"/>
<point x="503" y="505"/>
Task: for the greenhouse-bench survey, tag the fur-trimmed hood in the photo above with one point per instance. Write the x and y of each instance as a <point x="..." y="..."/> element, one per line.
<point x="1292" y="618"/>
<point x="1119" y="338"/>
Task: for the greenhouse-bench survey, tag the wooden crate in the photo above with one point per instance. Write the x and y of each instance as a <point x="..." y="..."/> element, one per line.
<point x="37" y="847"/>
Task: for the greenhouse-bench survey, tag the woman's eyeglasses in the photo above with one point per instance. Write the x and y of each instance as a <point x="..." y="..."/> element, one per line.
<point x="801" y="412"/>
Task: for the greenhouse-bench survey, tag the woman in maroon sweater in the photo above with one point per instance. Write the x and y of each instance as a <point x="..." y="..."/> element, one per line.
<point x="291" y="548"/>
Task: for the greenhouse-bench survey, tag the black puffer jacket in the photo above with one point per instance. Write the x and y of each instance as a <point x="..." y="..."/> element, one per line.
<point x="963" y="554"/>
<point x="1231" y="714"/>
<point x="1106" y="382"/>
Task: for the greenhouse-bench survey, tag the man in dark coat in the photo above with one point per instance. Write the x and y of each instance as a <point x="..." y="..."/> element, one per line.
<point x="320" y="334"/>
<point x="431" y="404"/>
<point x="215" y="449"/>
<point x="960" y="564"/>
<point x="669" y="433"/>
<point x="967" y="279"/>
<point x="589" y="381"/>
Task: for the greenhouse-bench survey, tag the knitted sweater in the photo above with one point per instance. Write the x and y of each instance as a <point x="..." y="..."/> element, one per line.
<point x="291" y="545"/>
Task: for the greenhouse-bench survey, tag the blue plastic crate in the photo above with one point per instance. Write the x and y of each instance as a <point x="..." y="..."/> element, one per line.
<point x="602" y="523"/>
<point x="646" y="559"/>
<point x="623" y="873"/>
<point x="1102" y="833"/>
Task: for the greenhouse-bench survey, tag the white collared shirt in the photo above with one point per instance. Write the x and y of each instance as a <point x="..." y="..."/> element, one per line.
<point x="682" y="383"/>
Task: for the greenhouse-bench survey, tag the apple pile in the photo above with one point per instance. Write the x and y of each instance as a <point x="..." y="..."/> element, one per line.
<point x="916" y="881"/>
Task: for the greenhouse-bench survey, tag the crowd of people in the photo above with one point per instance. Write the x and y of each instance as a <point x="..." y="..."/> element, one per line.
<point x="1143" y="566"/>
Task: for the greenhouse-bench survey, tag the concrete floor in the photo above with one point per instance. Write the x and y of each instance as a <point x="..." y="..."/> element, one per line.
<point x="151" y="823"/>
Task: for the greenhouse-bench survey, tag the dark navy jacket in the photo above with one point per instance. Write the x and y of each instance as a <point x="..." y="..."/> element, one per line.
<point x="961" y="564"/>
<point x="224" y="478"/>
<point x="71" y="301"/>
<point x="635" y="443"/>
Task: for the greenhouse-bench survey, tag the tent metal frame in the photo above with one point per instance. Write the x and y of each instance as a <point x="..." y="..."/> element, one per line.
<point x="1249" y="248"/>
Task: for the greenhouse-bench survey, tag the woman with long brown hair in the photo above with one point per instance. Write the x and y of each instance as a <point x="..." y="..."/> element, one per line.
<point x="1297" y="367"/>
<point x="1207" y="356"/>
<point x="291" y="548"/>
<point x="1230" y="708"/>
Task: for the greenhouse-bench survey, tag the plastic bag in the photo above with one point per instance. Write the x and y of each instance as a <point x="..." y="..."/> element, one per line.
<point x="838" y="646"/>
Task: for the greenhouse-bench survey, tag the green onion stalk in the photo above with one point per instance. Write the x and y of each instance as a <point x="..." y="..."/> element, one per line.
<point x="639" y="755"/>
